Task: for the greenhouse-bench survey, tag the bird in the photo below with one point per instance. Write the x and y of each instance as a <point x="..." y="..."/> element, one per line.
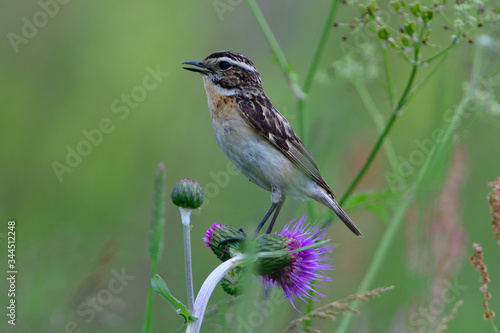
<point x="257" y="138"/>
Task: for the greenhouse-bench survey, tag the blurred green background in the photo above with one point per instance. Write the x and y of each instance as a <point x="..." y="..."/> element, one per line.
<point x="75" y="230"/>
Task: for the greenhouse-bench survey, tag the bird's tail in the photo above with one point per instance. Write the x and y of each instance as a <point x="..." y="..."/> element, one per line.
<point x="328" y="200"/>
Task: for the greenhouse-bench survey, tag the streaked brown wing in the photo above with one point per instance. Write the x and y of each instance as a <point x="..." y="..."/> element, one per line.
<point x="265" y="118"/>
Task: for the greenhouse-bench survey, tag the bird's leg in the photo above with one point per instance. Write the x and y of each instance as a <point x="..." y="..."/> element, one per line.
<point x="280" y="204"/>
<point x="261" y="224"/>
<point x="276" y="200"/>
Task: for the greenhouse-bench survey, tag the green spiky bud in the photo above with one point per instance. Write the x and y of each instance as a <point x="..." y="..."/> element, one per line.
<point x="225" y="241"/>
<point x="187" y="193"/>
<point x="231" y="283"/>
<point x="396" y="5"/>
<point x="281" y="258"/>
<point x="383" y="33"/>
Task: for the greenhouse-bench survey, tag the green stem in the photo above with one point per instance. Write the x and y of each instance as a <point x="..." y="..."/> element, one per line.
<point x="186" y="226"/>
<point x="321" y="46"/>
<point x="285" y="66"/>
<point x="377" y="118"/>
<point x="149" y="306"/>
<point x="302" y="104"/>
<point x="383" y="135"/>
<point x="440" y="54"/>
<point x="426" y="78"/>
<point x="388" y="76"/>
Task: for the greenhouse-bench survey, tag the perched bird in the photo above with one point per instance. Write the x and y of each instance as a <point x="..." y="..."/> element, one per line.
<point x="257" y="139"/>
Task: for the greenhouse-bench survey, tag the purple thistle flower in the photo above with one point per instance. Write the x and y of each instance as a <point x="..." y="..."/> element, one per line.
<point x="225" y="241"/>
<point x="210" y="232"/>
<point x="304" y="267"/>
<point x="295" y="272"/>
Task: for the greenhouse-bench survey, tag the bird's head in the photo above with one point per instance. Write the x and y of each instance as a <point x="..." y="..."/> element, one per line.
<point x="229" y="71"/>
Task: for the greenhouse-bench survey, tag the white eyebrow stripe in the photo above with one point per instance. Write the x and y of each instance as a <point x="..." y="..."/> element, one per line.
<point x="238" y="63"/>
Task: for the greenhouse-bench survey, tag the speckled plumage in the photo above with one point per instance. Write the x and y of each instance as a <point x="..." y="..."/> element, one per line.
<point x="256" y="137"/>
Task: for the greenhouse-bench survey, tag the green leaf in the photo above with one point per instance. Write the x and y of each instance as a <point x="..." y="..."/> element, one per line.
<point x="161" y="288"/>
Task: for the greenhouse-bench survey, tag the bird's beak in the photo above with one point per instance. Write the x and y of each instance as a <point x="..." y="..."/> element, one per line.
<point x="197" y="64"/>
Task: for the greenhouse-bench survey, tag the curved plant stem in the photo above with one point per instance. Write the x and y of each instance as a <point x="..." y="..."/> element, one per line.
<point x="206" y="291"/>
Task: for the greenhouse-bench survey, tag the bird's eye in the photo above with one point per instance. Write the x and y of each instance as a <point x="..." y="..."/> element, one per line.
<point x="224" y="65"/>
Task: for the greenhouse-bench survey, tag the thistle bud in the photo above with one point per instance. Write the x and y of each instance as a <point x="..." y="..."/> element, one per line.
<point x="231" y="283"/>
<point x="280" y="246"/>
<point x="187" y="193"/>
<point x="225" y="241"/>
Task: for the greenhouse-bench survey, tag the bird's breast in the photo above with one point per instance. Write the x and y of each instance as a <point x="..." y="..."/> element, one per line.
<point x="253" y="154"/>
